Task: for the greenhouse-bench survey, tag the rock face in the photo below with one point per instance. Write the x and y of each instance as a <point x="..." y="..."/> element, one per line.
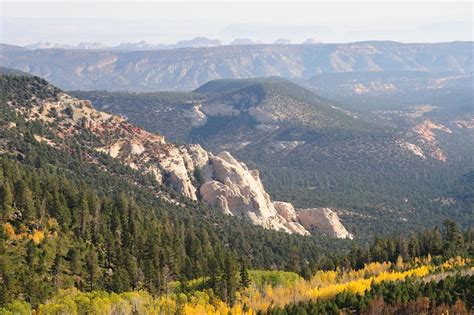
<point x="426" y="132"/>
<point x="219" y="180"/>
<point x="238" y="191"/>
<point x="325" y="221"/>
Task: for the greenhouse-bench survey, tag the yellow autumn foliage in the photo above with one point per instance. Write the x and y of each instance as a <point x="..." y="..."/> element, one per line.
<point x="37" y="235"/>
<point x="327" y="284"/>
<point x="323" y="285"/>
<point x="455" y="262"/>
<point x="9" y="230"/>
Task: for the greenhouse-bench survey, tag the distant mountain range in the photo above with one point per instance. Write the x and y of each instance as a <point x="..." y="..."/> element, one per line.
<point x="196" y="42"/>
<point x="142" y="45"/>
<point x="140" y="69"/>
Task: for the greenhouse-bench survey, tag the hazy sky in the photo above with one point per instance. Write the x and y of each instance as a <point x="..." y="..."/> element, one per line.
<point x="111" y="23"/>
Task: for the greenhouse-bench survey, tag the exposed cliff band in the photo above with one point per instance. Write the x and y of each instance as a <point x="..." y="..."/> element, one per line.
<point x="219" y="180"/>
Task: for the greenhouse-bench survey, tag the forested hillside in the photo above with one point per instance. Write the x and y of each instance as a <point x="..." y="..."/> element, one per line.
<point x="61" y="212"/>
<point x="392" y="164"/>
<point x="83" y="232"/>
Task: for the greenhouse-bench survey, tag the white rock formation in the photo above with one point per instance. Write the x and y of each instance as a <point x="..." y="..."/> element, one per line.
<point x="221" y="180"/>
<point x="412" y="148"/>
<point x="196" y="116"/>
<point x="238" y="191"/>
<point x="323" y="220"/>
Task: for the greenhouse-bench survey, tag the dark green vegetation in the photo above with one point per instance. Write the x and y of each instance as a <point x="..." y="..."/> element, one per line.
<point x="13" y="72"/>
<point x="66" y="222"/>
<point x="452" y="295"/>
<point x="107" y="230"/>
<point x="314" y="152"/>
<point x="446" y="243"/>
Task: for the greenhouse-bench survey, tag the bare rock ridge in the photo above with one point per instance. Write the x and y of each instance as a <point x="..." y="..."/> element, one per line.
<point x="219" y="180"/>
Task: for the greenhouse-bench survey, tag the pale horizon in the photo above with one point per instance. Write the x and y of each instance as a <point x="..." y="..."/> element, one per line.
<point x="25" y="23"/>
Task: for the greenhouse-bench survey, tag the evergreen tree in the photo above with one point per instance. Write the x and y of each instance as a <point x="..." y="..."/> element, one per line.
<point x="6" y="204"/>
<point x="92" y="268"/>
<point x="244" y="275"/>
<point x="231" y="278"/>
<point x="24" y="201"/>
<point x="454" y="240"/>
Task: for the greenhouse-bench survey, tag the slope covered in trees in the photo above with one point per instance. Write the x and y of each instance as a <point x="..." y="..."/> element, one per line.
<point x="70" y="226"/>
<point x="68" y="222"/>
<point x="371" y="164"/>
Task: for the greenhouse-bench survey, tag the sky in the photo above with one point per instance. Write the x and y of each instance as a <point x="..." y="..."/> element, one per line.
<point x="113" y="22"/>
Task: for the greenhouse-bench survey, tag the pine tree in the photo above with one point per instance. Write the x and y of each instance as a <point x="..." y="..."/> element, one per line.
<point x="294" y="260"/>
<point x="24" y="201"/>
<point x="6" y="204"/>
<point x="454" y="240"/>
<point x="216" y="277"/>
<point x="59" y="209"/>
<point x="84" y="217"/>
<point x="244" y="274"/>
<point x="57" y="271"/>
<point x="75" y="264"/>
<point x="8" y="287"/>
<point x="92" y="268"/>
<point x="231" y="278"/>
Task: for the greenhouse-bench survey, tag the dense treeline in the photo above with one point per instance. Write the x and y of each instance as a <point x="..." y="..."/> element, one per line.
<point x="58" y="233"/>
<point x="443" y="243"/>
<point x="416" y="287"/>
<point x="68" y="223"/>
<point x="451" y="295"/>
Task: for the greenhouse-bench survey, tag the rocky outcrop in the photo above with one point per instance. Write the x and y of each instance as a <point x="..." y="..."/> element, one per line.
<point x="426" y="132"/>
<point x="324" y="221"/>
<point x="196" y="116"/>
<point x="219" y="180"/>
<point x="412" y="148"/>
<point x="238" y="191"/>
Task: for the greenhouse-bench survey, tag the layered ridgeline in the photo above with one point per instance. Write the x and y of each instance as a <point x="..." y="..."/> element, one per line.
<point x="189" y="68"/>
<point x="388" y="82"/>
<point x="402" y="97"/>
<point x="219" y="180"/>
<point x="393" y="168"/>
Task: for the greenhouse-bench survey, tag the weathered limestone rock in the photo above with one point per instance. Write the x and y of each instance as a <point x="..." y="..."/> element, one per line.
<point x="323" y="220"/>
<point x="221" y="180"/>
<point x="239" y="191"/>
<point x="286" y="210"/>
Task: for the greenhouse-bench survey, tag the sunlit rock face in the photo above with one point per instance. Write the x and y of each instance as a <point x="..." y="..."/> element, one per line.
<point x="323" y="221"/>
<point x="239" y="191"/>
<point x="218" y="180"/>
